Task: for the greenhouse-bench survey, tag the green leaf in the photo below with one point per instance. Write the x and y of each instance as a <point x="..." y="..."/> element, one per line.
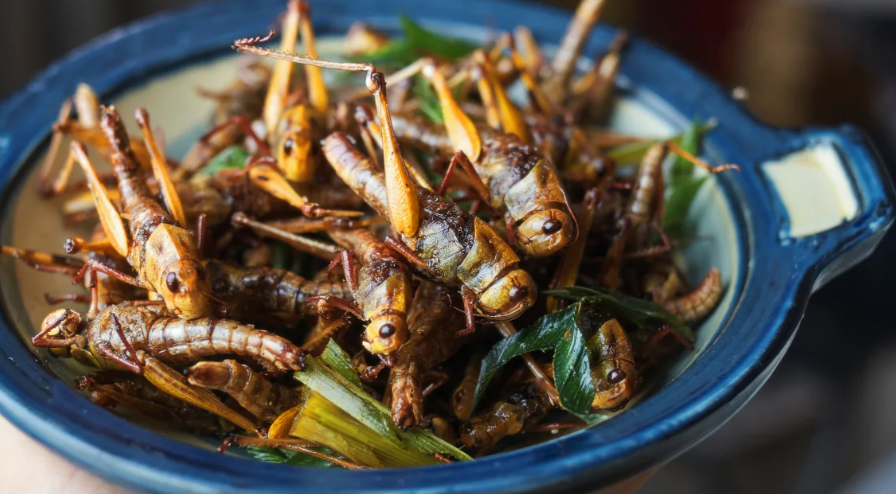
<point x="632" y="154"/>
<point x="682" y="186"/>
<point x="418" y="42"/>
<point x="679" y="203"/>
<point x="572" y="371"/>
<point x="361" y="406"/>
<point x="233" y="156"/>
<point x="683" y="169"/>
<point x="429" y="101"/>
<point x="289" y="457"/>
<point x="348" y="397"/>
<point x="341" y="362"/>
<point x="434" y="44"/>
<point x="398" y="53"/>
<point x="643" y="313"/>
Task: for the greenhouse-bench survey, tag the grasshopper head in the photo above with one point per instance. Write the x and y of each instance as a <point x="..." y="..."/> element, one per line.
<point x="545" y="232"/>
<point x="385" y="334"/>
<point x="294" y="149"/>
<point x="509" y="296"/>
<point x="614" y="382"/>
<point x="185" y="289"/>
<point x="60" y="331"/>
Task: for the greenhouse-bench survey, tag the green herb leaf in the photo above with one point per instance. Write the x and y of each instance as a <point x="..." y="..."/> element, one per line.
<point x="432" y="43"/>
<point x="644" y="314"/>
<point x="289" y="457"/>
<point x="429" y="101"/>
<point x="341" y="362"/>
<point x="679" y="203"/>
<point x="418" y="42"/>
<point x="690" y="142"/>
<point x="572" y="371"/>
<point x="348" y="397"/>
<point x="632" y="154"/>
<point x="682" y="186"/>
<point x="362" y="407"/>
<point x="233" y="156"/>
<point x="398" y="53"/>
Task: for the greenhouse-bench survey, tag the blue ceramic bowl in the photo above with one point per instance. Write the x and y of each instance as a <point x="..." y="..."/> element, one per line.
<point x="807" y="205"/>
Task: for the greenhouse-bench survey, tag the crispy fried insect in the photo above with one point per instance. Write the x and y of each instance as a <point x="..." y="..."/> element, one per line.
<point x="269" y="289"/>
<point x="520" y="183"/>
<point x="462" y="398"/>
<point x="454" y="247"/>
<point x="160" y="250"/>
<point x="696" y="305"/>
<point x="433" y="326"/>
<point x="260" y="397"/>
<point x="613" y="368"/>
<point x="643" y="208"/>
<point x="381" y="288"/>
<point x="145" y="341"/>
<point x="444" y="242"/>
<point x="522" y="407"/>
<point x="117" y="334"/>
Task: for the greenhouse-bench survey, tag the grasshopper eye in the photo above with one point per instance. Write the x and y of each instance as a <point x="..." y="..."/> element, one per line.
<point x="288" y="146"/>
<point x="551" y="226"/>
<point x="518" y="293"/>
<point x="387" y="330"/>
<point x="172" y="282"/>
<point x="616" y="376"/>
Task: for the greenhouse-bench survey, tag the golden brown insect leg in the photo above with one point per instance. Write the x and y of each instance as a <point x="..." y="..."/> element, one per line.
<point x="245" y="125"/>
<point x="97" y="265"/>
<point x="327" y="302"/>
<point x="55" y="143"/>
<point x="68" y="297"/>
<point x="314" y="247"/>
<point x="403" y="250"/>
<point x="50" y="263"/>
<point x="675" y="148"/>
<point x="460" y="158"/>
<point x="174" y="383"/>
<point x="347" y="259"/>
<point x="469" y="299"/>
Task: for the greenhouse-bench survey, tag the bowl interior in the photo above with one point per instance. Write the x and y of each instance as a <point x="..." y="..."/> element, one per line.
<point x="34" y="223"/>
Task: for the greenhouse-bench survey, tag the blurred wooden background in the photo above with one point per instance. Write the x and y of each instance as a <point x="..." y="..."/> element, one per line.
<point x="824" y="423"/>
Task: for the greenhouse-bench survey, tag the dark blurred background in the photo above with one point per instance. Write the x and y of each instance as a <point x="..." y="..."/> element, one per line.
<point x="823" y="424"/>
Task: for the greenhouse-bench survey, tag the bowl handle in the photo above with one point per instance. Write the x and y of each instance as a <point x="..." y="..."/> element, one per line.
<point x="834" y="198"/>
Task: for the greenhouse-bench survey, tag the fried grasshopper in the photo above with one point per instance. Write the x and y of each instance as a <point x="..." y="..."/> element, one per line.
<point x="157" y="246"/>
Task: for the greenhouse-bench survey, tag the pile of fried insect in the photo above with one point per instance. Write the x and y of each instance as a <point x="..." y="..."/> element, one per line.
<point x="437" y="271"/>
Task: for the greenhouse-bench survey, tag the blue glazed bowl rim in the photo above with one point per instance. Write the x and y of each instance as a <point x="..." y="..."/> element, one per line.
<point x="774" y="285"/>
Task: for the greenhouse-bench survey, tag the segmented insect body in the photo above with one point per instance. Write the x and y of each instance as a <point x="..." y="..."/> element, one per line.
<point x="522" y="407"/>
<point x="695" y="306"/>
<point x="455" y="247"/>
<point x="462" y="398"/>
<point x="643" y="207"/>
<point x="269" y="289"/>
<point x="111" y="340"/>
<point x="163" y="253"/>
<point x="260" y="397"/>
<point x="522" y="185"/>
<point x="433" y="327"/>
<point x="383" y="290"/>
